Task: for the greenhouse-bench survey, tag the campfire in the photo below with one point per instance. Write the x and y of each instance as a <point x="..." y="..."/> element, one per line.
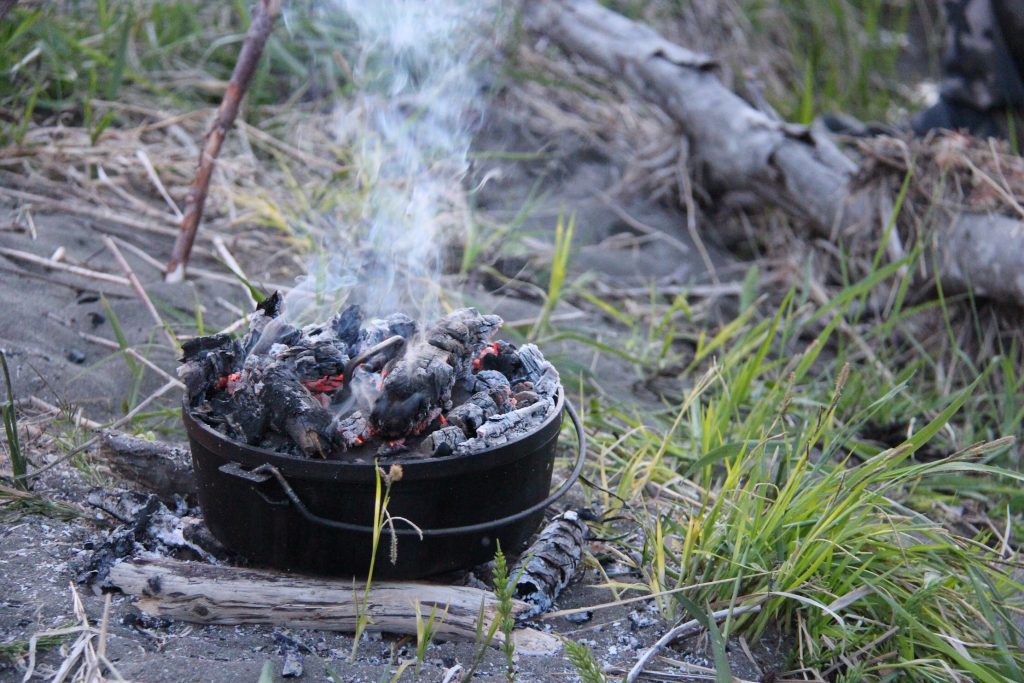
<point x="354" y="389"/>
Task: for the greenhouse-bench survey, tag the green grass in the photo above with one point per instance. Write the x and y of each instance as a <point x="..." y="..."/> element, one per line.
<point x="771" y="495"/>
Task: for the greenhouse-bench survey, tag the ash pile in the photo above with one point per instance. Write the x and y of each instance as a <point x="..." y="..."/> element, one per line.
<point x="355" y="389"/>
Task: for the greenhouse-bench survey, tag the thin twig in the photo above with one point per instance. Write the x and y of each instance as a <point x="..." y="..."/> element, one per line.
<point x="137" y="286"/>
<point x="114" y="346"/>
<point x="141" y="155"/>
<point x="681" y="631"/>
<point x="232" y="264"/>
<point x="64" y="267"/>
<point x="262" y="23"/>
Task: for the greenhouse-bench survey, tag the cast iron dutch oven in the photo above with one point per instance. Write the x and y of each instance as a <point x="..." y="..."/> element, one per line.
<point x="316" y="516"/>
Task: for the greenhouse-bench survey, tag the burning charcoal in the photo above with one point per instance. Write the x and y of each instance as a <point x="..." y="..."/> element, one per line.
<point x="503" y="358"/>
<point x="550" y="563"/>
<point x="390" y="449"/>
<point x="526" y="398"/>
<point x="206" y="361"/>
<point x="444" y="441"/>
<point x="539" y="371"/>
<point x="473" y="413"/>
<point x="350" y="431"/>
<point x="346" y="325"/>
<point x="497" y="387"/>
<point x="418" y="386"/>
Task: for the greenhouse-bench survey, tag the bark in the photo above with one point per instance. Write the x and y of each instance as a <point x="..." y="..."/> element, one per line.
<point x="263" y="19"/>
<point x="782" y="164"/>
<point x="208" y="594"/>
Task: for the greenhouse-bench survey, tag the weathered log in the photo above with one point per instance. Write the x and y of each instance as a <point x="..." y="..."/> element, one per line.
<point x="782" y="164"/>
<point x="208" y="594"/>
<point x="551" y="562"/>
<point x="161" y="468"/>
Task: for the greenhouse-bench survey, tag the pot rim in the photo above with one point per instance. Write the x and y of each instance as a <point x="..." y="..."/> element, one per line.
<point x="427" y="468"/>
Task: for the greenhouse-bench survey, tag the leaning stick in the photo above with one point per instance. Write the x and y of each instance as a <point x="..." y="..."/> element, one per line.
<point x="208" y="594"/>
<point x="262" y="23"/>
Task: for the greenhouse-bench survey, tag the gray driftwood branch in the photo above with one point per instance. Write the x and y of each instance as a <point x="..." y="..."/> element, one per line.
<point x="209" y="594"/>
<point x="782" y="164"/>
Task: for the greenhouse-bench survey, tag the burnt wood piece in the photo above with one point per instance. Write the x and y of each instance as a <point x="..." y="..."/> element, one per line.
<point x="266" y="310"/>
<point x="538" y="371"/>
<point x="350" y="431"/>
<point x="208" y="594"/>
<point x="550" y="563"/>
<point x="162" y="468"/>
<point x="443" y="442"/>
<point x="379" y="329"/>
<point x="418" y="386"/>
<point x="501" y="428"/>
<point x="503" y="358"/>
<point x="290" y="408"/>
<point x="470" y="415"/>
<point x="205" y="361"/>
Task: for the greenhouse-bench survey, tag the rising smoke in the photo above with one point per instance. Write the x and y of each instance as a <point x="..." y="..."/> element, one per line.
<point x="407" y="130"/>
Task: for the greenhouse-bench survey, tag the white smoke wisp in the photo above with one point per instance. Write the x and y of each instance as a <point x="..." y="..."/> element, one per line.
<point x="408" y="132"/>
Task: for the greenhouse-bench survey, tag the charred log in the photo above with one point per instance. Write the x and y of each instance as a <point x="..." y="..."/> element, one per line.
<point x="161" y="468"/>
<point x="550" y="563"/>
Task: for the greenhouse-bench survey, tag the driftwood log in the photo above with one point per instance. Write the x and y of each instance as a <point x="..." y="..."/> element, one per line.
<point x="208" y="594"/>
<point x="160" y="468"/>
<point x="749" y="151"/>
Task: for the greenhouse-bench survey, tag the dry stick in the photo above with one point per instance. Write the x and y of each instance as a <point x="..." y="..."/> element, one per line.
<point x="64" y="267"/>
<point x="681" y="631"/>
<point x="262" y="22"/>
<point x="85" y="210"/>
<point x="114" y="346"/>
<point x="232" y="264"/>
<point x="781" y="164"/>
<point x="151" y="173"/>
<point x="137" y="286"/>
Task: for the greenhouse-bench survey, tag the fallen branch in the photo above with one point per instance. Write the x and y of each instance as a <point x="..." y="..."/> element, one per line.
<point x="684" y="630"/>
<point x="263" y="19"/>
<point x="164" y="469"/>
<point x="208" y="594"/>
<point x="782" y="164"/>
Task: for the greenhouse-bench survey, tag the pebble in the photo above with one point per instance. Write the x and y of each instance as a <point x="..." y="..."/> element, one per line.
<point x="76" y="356"/>
<point x="292" y="665"/>
<point x="580" y="617"/>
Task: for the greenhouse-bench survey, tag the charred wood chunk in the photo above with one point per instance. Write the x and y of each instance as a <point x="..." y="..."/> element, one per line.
<point x="350" y="431"/>
<point x="444" y="441"/>
<point x="266" y="310"/>
<point x="418" y="387"/>
<point x="539" y="371"/>
<point x="206" y="361"/>
<point x="526" y="398"/>
<point x="291" y="408"/>
<point x="346" y="325"/>
<point x="469" y="416"/>
<point x="550" y="563"/>
<point x="378" y="330"/>
<point x="502" y="426"/>
<point x="497" y="387"/>
<point x="504" y="358"/>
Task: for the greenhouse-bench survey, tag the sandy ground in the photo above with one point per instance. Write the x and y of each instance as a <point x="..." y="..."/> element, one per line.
<point x="41" y="326"/>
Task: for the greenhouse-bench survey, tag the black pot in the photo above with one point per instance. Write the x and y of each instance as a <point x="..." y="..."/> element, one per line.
<point x="316" y="516"/>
